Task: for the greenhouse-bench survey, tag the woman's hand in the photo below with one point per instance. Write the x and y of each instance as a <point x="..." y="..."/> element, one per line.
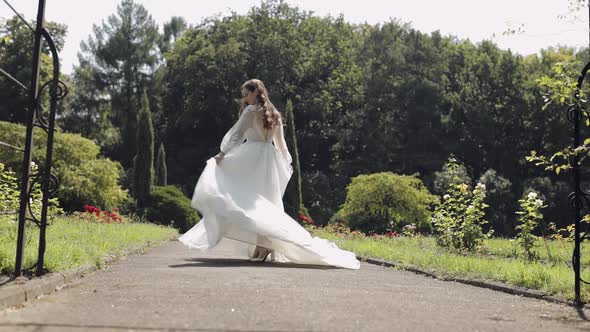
<point x="219" y="157"/>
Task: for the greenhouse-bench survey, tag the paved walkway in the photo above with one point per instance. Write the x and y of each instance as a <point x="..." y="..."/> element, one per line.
<point x="176" y="289"/>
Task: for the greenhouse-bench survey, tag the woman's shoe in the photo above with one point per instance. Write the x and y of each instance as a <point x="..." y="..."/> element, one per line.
<point x="261" y="258"/>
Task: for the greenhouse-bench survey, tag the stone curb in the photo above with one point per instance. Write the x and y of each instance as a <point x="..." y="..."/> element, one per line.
<point x="22" y="290"/>
<point x="490" y="284"/>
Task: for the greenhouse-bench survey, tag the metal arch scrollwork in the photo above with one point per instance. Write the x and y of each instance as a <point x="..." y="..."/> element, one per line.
<point x="583" y="200"/>
<point x="579" y="199"/>
<point x="36" y="117"/>
<point x="52" y="184"/>
<point x="59" y="93"/>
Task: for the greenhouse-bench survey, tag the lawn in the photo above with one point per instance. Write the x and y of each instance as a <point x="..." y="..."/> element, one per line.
<point x="73" y="242"/>
<point x="499" y="259"/>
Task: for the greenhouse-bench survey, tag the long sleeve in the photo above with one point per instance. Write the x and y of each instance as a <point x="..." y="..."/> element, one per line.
<point x="235" y="135"/>
<point x="279" y="139"/>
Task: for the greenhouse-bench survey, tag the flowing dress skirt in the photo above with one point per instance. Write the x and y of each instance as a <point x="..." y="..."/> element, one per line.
<point x="241" y="199"/>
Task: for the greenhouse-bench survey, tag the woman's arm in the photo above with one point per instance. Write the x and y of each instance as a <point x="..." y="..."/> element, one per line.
<point x="280" y="143"/>
<point x="235" y="135"/>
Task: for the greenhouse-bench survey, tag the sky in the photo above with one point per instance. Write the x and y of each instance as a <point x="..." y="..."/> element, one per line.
<point x="539" y="21"/>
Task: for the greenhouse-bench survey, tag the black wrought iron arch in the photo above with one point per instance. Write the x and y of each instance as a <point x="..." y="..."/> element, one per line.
<point x="579" y="199"/>
<point x="37" y="118"/>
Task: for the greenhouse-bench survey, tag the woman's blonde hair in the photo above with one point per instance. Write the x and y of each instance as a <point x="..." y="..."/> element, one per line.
<point x="271" y="116"/>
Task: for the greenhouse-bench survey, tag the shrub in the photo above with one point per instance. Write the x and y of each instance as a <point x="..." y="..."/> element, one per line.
<point x="322" y="194"/>
<point x="167" y="205"/>
<point x="384" y="202"/>
<point x="450" y="175"/>
<point x="10" y="196"/>
<point x="499" y="196"/>
<point x="529" y="216"/>
<point x="84" y="178"/>
<point x="9" y="193"/>
<point x="93" y="182"/>
<point x="554" y="193"/>
<point x="459" y="216"/>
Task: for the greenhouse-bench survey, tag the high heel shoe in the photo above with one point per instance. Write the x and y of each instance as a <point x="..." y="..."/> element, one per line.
<point x="261" y="258"/>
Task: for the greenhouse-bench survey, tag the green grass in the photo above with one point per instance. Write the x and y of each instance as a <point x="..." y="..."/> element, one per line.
<point x="72" y="242"/>
<point x="499" y="259"/>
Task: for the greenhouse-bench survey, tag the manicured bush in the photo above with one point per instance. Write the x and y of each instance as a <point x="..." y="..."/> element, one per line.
<point x="385" y="202"/>
<point x="84" y="177"/>
<point x="167" y="205"/>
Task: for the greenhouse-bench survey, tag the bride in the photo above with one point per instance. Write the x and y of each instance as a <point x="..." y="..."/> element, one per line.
<point x="239" y="193"/>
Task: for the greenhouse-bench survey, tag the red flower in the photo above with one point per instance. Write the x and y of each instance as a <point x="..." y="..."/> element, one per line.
<point x="305" y="219"/>
<point x="392" y="234"/>
<point x="104" y="216"/>
<point x="90" y="209"/>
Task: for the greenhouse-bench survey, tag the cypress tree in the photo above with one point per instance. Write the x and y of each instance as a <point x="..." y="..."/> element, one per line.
<point x="144" y="161"/>
<point x="293" y="197"/>
<point x="161" y="171"/>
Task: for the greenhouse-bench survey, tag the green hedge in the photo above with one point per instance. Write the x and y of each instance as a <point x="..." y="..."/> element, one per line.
<point x="169" y="206"/>
<point x="84" y="177"/>
<point x="386" y="201"/>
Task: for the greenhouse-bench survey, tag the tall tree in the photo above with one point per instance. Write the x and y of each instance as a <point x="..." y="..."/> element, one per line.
<point x="173" y="29"/>
<point x="161" y="172"/>
<point x="144" y="160"/>
<point x="292" y="198"/>
<point x="16" y="54"/>
<point x="118" y="61"/>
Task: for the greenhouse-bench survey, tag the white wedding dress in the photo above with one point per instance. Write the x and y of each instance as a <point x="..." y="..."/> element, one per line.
<point x="241" y="199"/>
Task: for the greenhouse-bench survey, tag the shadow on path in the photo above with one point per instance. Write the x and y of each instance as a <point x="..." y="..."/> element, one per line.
<point x="6" y="280"/>
<point x="39" y="326"/>
<point x="234" y="262"/>
<point x="581" y="313"/>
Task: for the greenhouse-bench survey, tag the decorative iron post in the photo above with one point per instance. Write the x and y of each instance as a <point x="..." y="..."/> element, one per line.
<point x="33" y="93"/>
<point x="579" y="199"/>
<point x="36" y="118"/>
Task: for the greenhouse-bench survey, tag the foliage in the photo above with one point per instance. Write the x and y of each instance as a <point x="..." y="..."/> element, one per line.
<point x="500" y="199"/>
<point x="497" y="261"/>
<point x="93" y="182"/>
<point x="293" y="195"/>
<point x="16" y="54"/>
<point x="385" y="202"/>
<point x="459" y="217"/>
<point x="560" y="89"/>
<point x="169" y="206"/>
<point x="9" y="193"/>
<point x="321" y="195"/>
<point x="554" y="191"/>
<point x="529" y="217"/>
<point x="94" y="214"/>
<point x="161" y="170"/>
<point x="409" y="230"/>
<point x="72" y="242"/>
<point x="368" y="98"/>
<point x="10" y="196"/>
<point x="144" y="160"/>
<point x="116" y="65"/>
<point x="84" y="177"/>
<point x="448" y="177"/>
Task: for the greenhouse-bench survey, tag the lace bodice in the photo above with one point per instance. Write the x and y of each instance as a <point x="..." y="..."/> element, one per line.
<point x="250" y="127"/>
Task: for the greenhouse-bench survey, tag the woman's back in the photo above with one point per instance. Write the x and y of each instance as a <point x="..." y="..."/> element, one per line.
<point x="257" y="132"/>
